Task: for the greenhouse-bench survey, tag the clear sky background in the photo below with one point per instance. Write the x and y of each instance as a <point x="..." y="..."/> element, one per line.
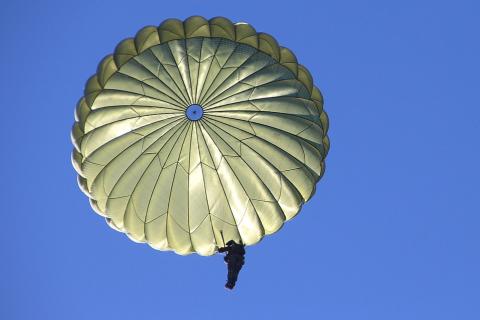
<point x="392" y="232"/>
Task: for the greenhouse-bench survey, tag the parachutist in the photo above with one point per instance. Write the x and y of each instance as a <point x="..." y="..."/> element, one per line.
<point x="235" y="260"/>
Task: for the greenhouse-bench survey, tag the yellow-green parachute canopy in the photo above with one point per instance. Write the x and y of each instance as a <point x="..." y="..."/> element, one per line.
<point x="197" y="129"/>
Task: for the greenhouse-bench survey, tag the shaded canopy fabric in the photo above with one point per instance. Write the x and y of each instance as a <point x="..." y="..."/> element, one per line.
<point x="237" y="170"/>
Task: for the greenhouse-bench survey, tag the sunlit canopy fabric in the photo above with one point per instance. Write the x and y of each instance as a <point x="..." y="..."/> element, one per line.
<point x="197" y="132"/>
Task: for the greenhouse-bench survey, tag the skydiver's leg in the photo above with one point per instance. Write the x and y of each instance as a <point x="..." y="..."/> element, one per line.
<point x="234" y="267"/>
<point x="228" y="261"/>
<point x="230" y="277"/>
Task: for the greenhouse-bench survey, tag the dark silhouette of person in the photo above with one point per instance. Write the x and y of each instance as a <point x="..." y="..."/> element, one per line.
<point x="235" y="260"/>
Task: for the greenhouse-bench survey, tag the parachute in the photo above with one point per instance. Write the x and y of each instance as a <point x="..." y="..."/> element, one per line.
<point x="199" y="129"/>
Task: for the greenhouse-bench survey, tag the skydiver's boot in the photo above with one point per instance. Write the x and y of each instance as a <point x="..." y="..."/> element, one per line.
<point x="229" y="285"/>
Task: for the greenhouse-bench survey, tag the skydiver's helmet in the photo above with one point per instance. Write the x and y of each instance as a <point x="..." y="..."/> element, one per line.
<point x="230" y="243"/>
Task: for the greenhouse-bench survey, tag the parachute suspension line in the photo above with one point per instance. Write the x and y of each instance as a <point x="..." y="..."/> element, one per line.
<point x="223" y="240"/>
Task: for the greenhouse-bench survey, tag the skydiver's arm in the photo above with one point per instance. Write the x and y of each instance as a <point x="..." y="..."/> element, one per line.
<point x="222" y="249"/>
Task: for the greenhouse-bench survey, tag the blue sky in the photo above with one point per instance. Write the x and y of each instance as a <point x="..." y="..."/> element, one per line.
<point x="392" y="232"/>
